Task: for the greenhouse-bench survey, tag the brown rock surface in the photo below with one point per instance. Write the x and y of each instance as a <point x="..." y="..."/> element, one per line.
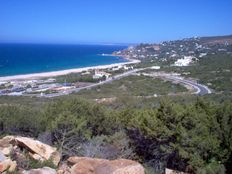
<point x="6" y="141"/>
<point x="16" y="146"/>
<point x="85" y="165"/>
<point x="7" y="165"/>
<point x="64" y="169"/>
<point x="6" y="145"/>
<point x="37" y="149"/>
<point x="45" y="151"/>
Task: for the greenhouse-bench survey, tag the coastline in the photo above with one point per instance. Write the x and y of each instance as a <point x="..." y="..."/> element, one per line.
<point x="67" y="71"/>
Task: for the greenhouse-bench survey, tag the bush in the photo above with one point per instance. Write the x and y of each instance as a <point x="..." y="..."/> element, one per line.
<point x="108" y="147"/>
<point x="185" y="138"/>
<point x="20" y="120"/>
<point x="212" y="168"/>
<point x="35" y="164"/>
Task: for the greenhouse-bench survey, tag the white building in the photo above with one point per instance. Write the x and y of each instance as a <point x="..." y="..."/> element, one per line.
<point x="85" y="73"/>
<point x="50" y="80"/>
<point x="203" y="54"/>
<point x="116" y="68"/>
<point x="99" y="74"/>
<point x="184" y="61"/>
<point x="127" y="67"/>
<point x="3" y="83"/>
<point x="155" y="67"/>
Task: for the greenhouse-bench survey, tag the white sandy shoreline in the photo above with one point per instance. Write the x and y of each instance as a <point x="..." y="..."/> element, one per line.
<point x="64" y="72"/>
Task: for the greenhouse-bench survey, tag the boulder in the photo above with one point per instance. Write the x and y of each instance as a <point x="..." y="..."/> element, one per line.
<point x="40" y="149"/>
<point x="6" y="141"/>
<point x="63" y="169"/>
<point x="44" y="170"/>
<point x="85" y="165"/>
<point x="13" y="166"/>
<point x="7" y="150"/>
<point x="6" y="145"/>
<point x="7" y="165"/>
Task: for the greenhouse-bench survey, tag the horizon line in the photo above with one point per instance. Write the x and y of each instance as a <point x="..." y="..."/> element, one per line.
<point x="109" y="43"/>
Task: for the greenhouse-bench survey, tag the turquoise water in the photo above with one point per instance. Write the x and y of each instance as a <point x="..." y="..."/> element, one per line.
<point x="16" y="59"/>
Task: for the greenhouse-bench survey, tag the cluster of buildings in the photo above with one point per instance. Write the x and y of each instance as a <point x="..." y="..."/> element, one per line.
<point x="182" y="52"/>
<point x="101" y="74"/>
<point x="42" y="87"/>
<point x="24" y="87"/>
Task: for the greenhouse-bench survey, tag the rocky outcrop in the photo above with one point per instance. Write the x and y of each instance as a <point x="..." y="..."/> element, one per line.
<point x="39" y="151"/>
<point x="7" y="165"/>
<point x="85" y="165"/>
<point x="22" y="148"/>
<point x="17" y="146"/>
<point x="6" y="145"/>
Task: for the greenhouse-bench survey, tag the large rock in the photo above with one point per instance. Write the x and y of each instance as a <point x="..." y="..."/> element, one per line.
<point x="64" y="169"/>
<point x="44" y="170"/>
<point x="7" y="165"/>
<point x="85" y="165"/>
<point x="6" y="141"/>
<point x="6" y="146"/>
<point x="39" y="149"/>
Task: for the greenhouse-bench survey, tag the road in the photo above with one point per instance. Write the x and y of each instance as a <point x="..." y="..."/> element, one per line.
<point x="200" y="89"/>
<point x="109" y="80"/>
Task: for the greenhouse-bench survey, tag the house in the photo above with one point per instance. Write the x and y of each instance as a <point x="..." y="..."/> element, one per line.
<point x="85" y="73"/>
<point x="116" y="68"/>
<point x="222" y="49"/>
<point x="3" y="83"/>
<point x="202" y="54"/>
<point x="155" y="67"/>
<point x="50" y="80"/>
<point x="100" y="74"/>
<point x="127" y="67"/>
<point x="156" y="47"/>
<point x="184" y="61"/>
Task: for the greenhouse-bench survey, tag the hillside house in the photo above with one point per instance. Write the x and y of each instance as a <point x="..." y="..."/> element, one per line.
<point x="100" y="74"/>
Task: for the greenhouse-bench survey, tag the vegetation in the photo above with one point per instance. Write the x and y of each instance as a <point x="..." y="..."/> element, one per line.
<point x="133" y="86"/>
<point x="77" y="77"/>
<point x="187" y="133"/>
<point x="194" y="137"/>
<point x="214" y="71"/>
<point x="27" y="162"/>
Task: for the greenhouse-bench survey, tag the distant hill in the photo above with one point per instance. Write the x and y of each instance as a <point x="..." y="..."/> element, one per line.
<point x="196" y="47"/>
<point x="217" y="40"/>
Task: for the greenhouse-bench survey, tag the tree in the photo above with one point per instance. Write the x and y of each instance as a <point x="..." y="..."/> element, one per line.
<point x="69" y="131"/>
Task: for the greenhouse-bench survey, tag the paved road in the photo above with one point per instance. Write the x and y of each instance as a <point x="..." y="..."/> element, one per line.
<point x="109" y="80"/>
<point x="200" y="89"/>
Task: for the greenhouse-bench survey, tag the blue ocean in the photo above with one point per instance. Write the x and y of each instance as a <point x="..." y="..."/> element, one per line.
<point x="16" y="59"/>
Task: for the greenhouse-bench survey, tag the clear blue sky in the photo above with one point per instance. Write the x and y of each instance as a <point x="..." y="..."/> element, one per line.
<point x="112" y="21"/>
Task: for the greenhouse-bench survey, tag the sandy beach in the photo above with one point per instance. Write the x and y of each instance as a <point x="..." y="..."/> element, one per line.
<point x="64" y="72"/>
